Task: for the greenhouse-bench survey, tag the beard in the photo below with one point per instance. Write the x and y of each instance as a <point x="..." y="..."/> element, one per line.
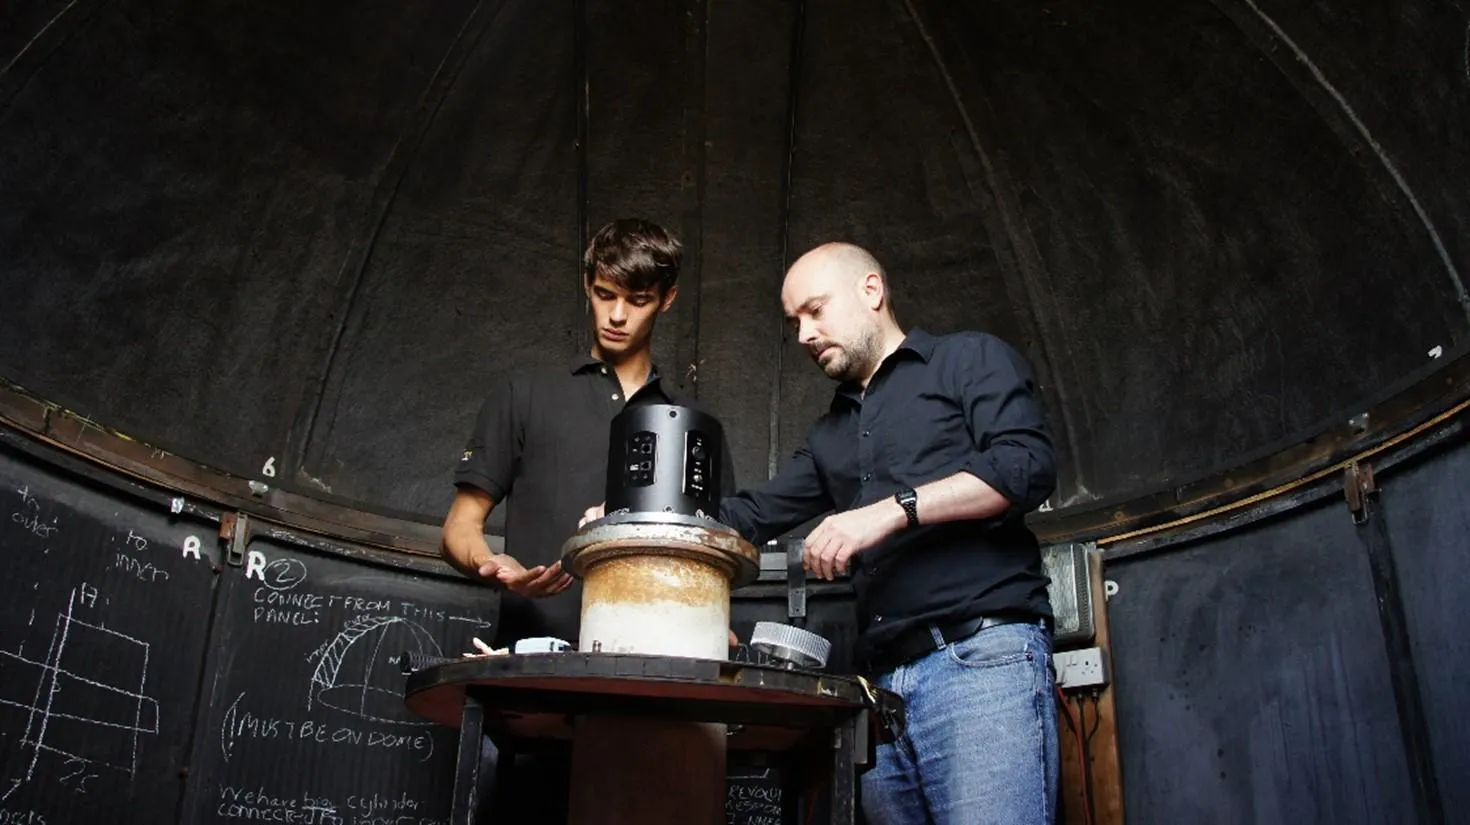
<point x="853" y="360"/>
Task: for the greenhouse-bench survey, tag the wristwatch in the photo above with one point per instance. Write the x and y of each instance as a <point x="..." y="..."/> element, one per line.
<point x="909" y="501"/>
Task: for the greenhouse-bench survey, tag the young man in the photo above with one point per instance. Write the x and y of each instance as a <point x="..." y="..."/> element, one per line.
<point x="931" y="454"/>
<point x="543" y="435"/>
<point x="541" y="440"/>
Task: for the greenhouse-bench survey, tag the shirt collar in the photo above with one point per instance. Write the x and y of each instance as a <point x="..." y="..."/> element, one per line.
<point x="584" y="362"/>
<point x="917" y="341"/>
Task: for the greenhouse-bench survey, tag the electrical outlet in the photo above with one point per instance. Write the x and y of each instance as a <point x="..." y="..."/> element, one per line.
<point x="1078" y="669"/>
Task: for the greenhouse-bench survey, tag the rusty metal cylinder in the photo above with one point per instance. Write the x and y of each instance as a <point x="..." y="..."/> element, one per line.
<point x="658" y="587"/>
<point x="653" y="584"/>
<point x="658" y="604"/>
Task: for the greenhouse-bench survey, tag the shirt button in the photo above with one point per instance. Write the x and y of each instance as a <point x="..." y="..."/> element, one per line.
<point x="603" y="370"/>
<point x="615" y="396"/>
<point x="867" y="433"/>
<point x="877" y="618"/>
<point x="867" y="476"/>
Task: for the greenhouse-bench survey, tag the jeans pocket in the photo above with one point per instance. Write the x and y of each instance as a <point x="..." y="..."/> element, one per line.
<point x="996" y="646"/>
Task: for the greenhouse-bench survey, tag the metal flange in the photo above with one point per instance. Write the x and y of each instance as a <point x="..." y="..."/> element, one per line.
<point x="662" y="534"/>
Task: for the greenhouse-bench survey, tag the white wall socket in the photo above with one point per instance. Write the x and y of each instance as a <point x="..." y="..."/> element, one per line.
<point x="1077" y="669"/>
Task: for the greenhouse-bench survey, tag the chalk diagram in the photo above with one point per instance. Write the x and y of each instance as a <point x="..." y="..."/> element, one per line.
<point x="356" y="670"/>
<point x="85" y="703"/>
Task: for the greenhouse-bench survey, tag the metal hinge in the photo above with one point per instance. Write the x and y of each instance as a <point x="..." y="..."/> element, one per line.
<point x="234" y="528"/>
<point x="1358" y="486"/>
<point x="795" y="579"/>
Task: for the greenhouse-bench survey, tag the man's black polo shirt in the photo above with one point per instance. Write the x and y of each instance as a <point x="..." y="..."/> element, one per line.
<point x="539" y="448"/>
<point x="937" y="406"/>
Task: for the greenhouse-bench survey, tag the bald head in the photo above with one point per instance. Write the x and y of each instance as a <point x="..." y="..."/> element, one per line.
<point x="837" y="295"/>
<point x="837" y="263"/>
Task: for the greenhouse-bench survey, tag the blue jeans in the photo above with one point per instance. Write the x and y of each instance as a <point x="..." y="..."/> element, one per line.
<point x="980" y="746"/>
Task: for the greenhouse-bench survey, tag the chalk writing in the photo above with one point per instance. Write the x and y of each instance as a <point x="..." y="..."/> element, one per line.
<point x="141" y="570"/>
<point x="255" y="565"/>
<point x="136" y="542"/>
<point x="21" y="818"/>
<point x="75" y="774"/>
<point x="414" y="611"/>
<point x="755" y="804"/>
<point x="241" y="724"/>
<point x="379" y="805"/>
<point x="306" y="608"/>
<point x="284" y="574"/>
<point x="262" y="805"/>
<point x="29" y="516"/>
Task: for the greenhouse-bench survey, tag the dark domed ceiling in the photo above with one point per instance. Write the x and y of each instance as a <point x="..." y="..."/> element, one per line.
<point x="309" y="235"/>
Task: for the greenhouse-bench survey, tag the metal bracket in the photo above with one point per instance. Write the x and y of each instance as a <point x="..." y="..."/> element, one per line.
<point x="862" y="749"/>
<point x="235" y="529"/>
<point x="795" y="580"/>
<point x="1358" y="486"/>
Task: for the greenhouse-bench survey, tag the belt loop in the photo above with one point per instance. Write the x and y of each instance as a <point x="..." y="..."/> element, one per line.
<point x="938" y="635"/>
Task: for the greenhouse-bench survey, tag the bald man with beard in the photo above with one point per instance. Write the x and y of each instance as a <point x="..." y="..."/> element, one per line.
<point x="931" y="454"/>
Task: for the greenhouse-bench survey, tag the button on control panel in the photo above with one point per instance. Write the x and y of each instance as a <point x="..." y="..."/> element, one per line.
<point x="697" y="448"/>
<point x="641" y="453"/>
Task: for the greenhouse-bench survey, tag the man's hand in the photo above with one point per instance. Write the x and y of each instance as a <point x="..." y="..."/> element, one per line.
<point x="533" y="583"/>
<point x="592" y="514"/>
<point x="841" y="536"/>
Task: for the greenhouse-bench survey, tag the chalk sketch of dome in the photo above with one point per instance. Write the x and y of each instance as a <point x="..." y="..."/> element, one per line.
<point x="356" y="670"/>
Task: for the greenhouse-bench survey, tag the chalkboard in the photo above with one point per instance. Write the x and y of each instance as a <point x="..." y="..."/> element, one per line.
<point x="753" y="796"/>
<point x="104" y="614"/>
<point x="143" y="679"/>
<point x="303" y="719"/>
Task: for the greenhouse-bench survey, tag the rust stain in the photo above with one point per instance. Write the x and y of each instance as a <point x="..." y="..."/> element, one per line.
<point x="655" y="578"/>
<point x="739" y="563"/>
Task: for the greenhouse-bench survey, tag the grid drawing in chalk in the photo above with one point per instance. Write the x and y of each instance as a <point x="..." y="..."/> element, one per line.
<point x="85" y="703"/>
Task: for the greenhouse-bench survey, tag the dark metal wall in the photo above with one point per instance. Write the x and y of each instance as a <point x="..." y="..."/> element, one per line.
<point x="1427" y="524"/>
<point x="1302" y="668"/>
<point x="145" y="677"/>
<point x="306" y="237"/>
<point x="1305" y="668"/>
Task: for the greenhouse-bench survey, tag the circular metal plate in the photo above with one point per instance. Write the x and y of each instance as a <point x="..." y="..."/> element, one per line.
<point x="631" y="534"/>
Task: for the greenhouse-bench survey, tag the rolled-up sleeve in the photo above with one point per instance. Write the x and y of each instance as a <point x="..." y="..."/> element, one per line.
<point x="1012" y="448"/>
<point x="794" y="495"/>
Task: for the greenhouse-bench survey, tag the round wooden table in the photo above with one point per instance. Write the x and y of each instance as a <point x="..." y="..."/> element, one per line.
<point x="821" y="728"/>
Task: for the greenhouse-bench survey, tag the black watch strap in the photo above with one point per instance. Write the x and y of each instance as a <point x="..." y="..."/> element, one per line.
<point x="909" y="501"/>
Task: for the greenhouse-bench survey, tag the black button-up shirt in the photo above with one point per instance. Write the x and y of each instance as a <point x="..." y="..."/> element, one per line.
<point x="937" y="406"/>
<point x="539" y="448"/>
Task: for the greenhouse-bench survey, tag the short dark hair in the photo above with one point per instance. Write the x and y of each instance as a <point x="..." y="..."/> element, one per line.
<point x="635" y="254"/>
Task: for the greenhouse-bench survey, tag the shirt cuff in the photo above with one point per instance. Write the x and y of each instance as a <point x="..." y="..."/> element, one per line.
<point x="482" y="482"/>
<point x="1011" y="477"/>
